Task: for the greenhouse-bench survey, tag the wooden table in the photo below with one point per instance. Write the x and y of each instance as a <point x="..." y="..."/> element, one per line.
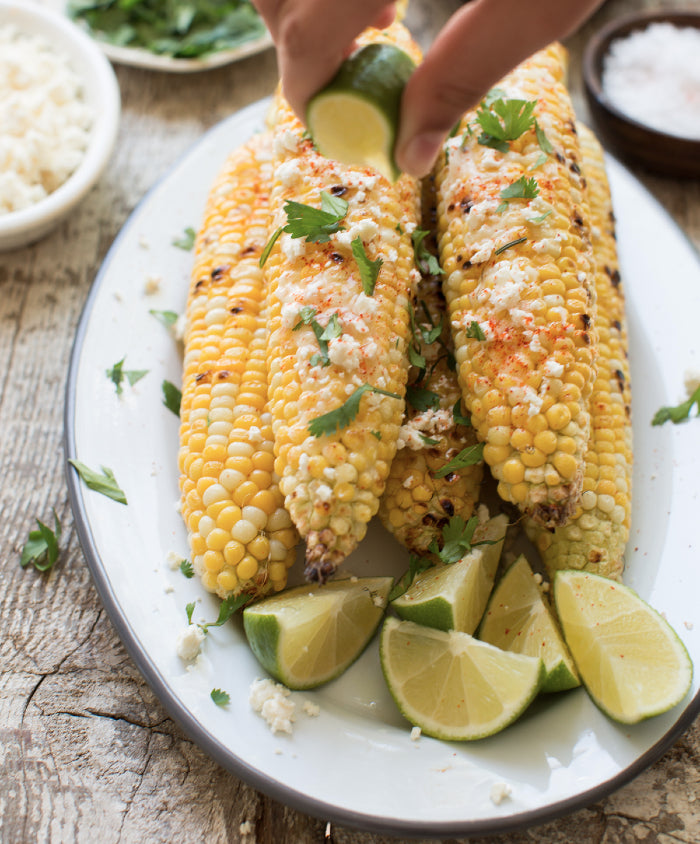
<point x="87" y="753"/>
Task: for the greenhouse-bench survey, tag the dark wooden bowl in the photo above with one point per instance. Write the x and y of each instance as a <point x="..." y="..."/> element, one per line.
<point x="624" y="136"/>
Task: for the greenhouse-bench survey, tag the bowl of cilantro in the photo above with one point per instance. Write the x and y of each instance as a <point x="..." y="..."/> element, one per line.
<point x="172" y="36"/>
<point x="641" y="74"/>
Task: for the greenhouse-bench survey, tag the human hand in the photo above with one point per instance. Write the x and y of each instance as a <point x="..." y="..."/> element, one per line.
<point x="478" y="45"/>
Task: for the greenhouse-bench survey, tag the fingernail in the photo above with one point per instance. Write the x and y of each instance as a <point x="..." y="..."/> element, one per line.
<point x="419" y="154"/>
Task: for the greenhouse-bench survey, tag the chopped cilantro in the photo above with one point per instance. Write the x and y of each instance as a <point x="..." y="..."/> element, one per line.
<point x="117" y="374"/>
<point x="508" y="246"/>
<point x="369" y="270"/>
<point x="522" y="188"/>
<point x="186" y="241"/>
<point x="377" y="434"/>
<point x="426" y="261"/>
<point x="42" y="546"/>
<point x="415" y="566"/>
<point x="307" y="316"/>
<point x="168" y="318"/>
<point x="680" y="412"/>
<point x="475" y="331"/>
<point x="189" y="609"/>
<point x="469" y="456"/>
<point x="457" y="538"/>
<point x="457" y="415"/>
<point x="187" y="568"/>
<point x="542" y="140"/>
<point x="104" y="483"/>
<point x="540" y="217"/>
<point x="427" y="440"/>
<point x="503" y="120"/>
<point x="172" y="397"/>
<point x="220" y="697"/>
<point x="316" y="225"/>
<point x="342" y="416"/>
<point x="421" y="399"/>
<point x="227" y="608"/>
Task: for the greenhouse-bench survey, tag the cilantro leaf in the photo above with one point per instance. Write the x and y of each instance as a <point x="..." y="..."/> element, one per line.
<point x="416" y="565"/>
<point x="187" y="568"/>
<point x="104" y="483"/>
<point x="457" y="539"/>
<point x="503" y="120"/>
<point x="522" y="188"/>
<point x="172" y="397"/>
<point x="369" y="270"/>
<point x="117" y="374"/>
<point x="469" y="456"/>
<point x="342" y="416"/>
<point x="314" y="224"/>
<point x="426" y="261"/>
<point x="415" y="358"/>
<point x="508" y="246"/>
<point x="42" y="546"/>
<point x="220" y="697"/>
<point x="427" y="440"/>
<point x="421" y="399"/>
<point x="307" y="316"/>
<point x="679" y="413"/>
<point x="186" y="241"/>
<point x="540" y="217"/>
<point x="475" y="331"/>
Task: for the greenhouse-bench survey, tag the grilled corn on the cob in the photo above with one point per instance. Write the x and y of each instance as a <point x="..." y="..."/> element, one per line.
<point x="595" y="538"/>
<point x="421" y="496"/>
<point x="515" y="247"/>
<point x="333" y="469"/>
<point x="241" y="537"/>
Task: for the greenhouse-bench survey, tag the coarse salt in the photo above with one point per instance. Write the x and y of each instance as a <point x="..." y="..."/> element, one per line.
<point x="44" y="120"/>
<point x="653" y="76"/>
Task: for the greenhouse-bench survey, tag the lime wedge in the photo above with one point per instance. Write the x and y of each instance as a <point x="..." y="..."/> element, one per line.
<point x="354" y="119"/>
<point x="310" y="634"/>
<point x="453" y="686"/>
<point x="454" y="597"/>
<point x="518" y="619"/>
<point x="631" y="661"/>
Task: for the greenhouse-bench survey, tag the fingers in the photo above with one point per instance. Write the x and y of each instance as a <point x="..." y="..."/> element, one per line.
<point x="314" y="36"/>
<point x="482" y="42"/>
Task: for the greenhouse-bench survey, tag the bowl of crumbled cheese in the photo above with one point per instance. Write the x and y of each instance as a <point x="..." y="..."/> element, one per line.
<point x="59" y="117"/>
<point x="642" y="81"/>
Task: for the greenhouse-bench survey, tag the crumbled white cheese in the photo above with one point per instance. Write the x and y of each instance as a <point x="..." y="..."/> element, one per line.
<point x="292" y="247"/>
<point x="152" y="284"/>
<point x="324" y="492"/>
<point x="415" y="733"/>
<point x="272" y="701"/>
<point x="691" y="381"/>
<point x="44" y="120"/>
<point x="500" y="791"/>
<point x="288" y="172"/>
<point x="345" y="351"/>
<point x="482" y="514"/>
<point x="174" y="560"/>
<point x="189" y="641"/>
<point x="313" y="710"/>
<point x="286" y="142"/>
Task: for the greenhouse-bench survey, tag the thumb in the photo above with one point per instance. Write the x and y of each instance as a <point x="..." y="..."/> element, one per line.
<point x="480" y="43"/>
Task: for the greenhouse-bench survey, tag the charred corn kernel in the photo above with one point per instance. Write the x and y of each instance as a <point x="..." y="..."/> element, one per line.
<point x="417" y="504"/>
<point x="370" y="348"/>
<point x="229" y="497"/>
<point x="525" y="278"/>
<point x="596" y="538"/>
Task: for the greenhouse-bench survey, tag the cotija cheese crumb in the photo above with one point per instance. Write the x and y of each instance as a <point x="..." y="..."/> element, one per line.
<point x="44" y="120"/>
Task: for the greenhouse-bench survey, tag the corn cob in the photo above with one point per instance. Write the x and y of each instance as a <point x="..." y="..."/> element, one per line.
<point x="332" y="479"/>
<point x="420" y="498"/>
<point x="241" y="537"/>
<point x="595" y="538"/>
<point x="515" y="246"/>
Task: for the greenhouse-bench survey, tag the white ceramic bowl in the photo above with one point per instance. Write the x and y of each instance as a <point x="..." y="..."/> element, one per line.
<point x="19" y="228"/>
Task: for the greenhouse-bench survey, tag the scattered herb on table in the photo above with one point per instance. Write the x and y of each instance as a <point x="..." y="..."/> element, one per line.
<point x="117" y="374"/>
<point x="187" y="568"/>
<point x="186" y="240"/>
<point x="172" y="397"/>
<point x="680" y="412"/>
<point x="220" y="697"/>
<point x="42" y="547"/>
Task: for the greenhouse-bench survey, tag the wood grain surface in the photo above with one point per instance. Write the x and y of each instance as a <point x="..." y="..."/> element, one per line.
<point x="87" y="753"/>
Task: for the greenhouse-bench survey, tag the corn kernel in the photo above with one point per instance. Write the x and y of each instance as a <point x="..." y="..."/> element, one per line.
<point x="244" y="531"/>
<point x="247" y="568"/>
<point x="565" y="464"/>
<point x="259" y="547"/>
<point x="234" y="552"/>
<point x="513" y="471"/>
<point x="226" y="580"/>
<point x="213" y="561"/>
